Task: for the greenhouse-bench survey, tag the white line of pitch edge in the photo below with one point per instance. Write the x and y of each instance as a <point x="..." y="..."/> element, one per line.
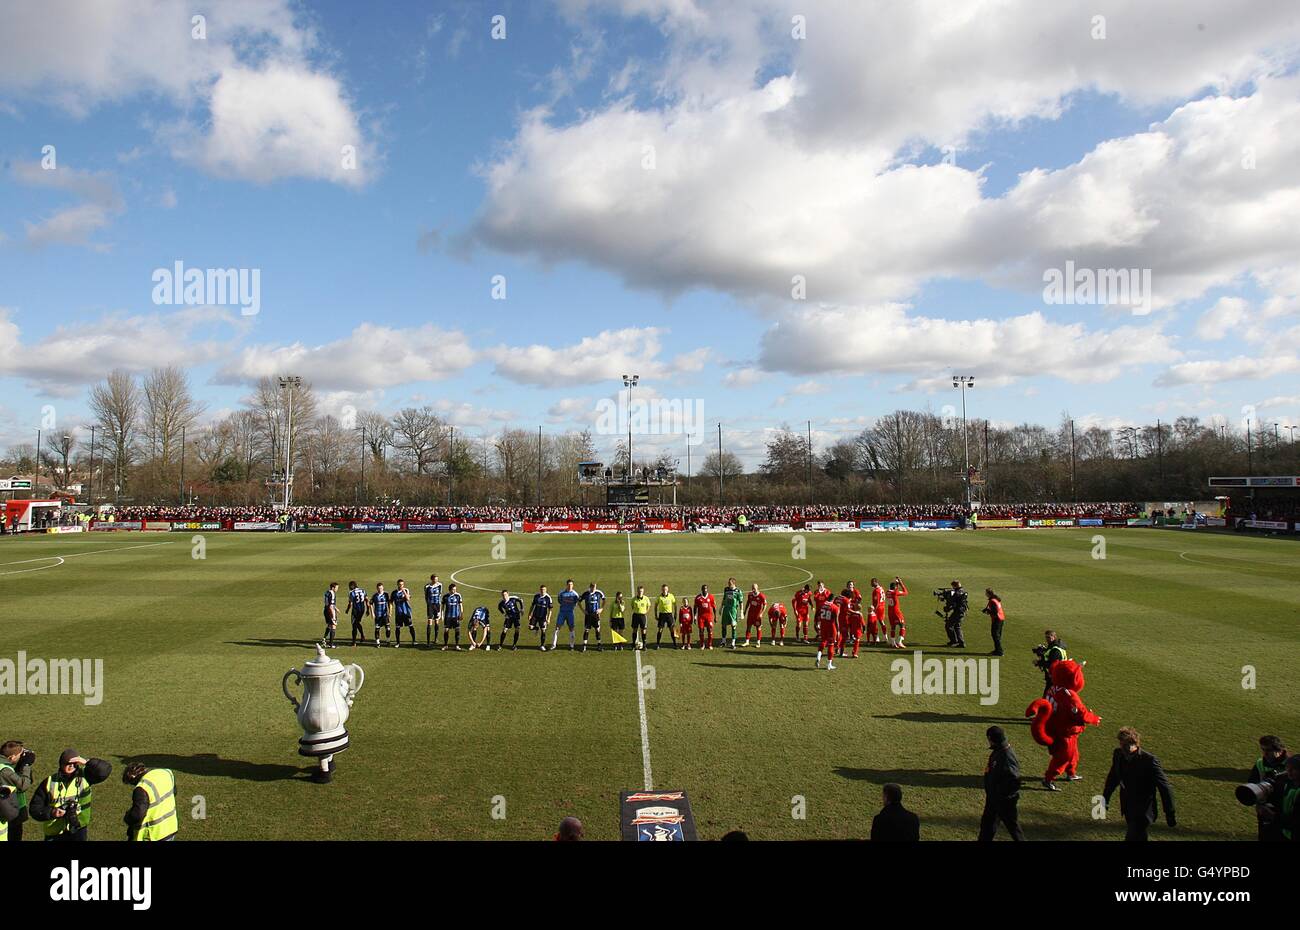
<point x="73" y="555"/>
<point x="640" y="680"/>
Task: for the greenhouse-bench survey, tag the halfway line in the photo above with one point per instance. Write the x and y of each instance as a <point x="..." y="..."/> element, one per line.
<point x="640" y="682"/>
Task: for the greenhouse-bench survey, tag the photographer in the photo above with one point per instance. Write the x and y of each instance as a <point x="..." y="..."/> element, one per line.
<point x="1269" y="766"/>
<point x="955" y="604"/>
<point x="1049" y="653"/>
<point x="16" y="774"/>
<point x="62" y="802"/>
<point x="1275" y="801"/>
<point x="152" y="815"/>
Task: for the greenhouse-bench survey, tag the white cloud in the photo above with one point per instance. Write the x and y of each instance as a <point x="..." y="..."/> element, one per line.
<point x="604" y="357"/>
<point x="1224" y="317"/>
<point x="1238" y="368"/>
<point x="256" y="84"/>
<point x="73" y="356"/>
<point x="98" y="201"/>
<point x="371" y="356"/>
<point x="808" y="173"/>
<point x="886" y="339"/>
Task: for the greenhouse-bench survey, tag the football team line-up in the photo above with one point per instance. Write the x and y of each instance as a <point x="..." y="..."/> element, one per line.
<point x="836" y="623"/>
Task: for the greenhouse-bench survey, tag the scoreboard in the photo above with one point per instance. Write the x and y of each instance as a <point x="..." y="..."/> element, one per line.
<point x="627" y="494"/>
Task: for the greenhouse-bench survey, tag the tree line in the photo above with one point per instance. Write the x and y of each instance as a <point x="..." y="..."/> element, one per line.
<point x="148" y="441"/>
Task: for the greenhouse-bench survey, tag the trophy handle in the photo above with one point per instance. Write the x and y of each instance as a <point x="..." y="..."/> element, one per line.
<point x="284" y="685"/>
<point x="356" y="678"/>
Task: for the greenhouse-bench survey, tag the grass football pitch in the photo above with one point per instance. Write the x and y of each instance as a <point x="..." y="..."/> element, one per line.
<point x="1190" y="637"/>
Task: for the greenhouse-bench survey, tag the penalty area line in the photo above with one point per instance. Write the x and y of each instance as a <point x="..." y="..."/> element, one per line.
<point x="640" y="682"/>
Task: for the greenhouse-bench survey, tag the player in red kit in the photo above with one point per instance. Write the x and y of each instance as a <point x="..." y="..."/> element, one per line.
<point x="802" y="604"/>
<point x="876" y="619"/>
<point x="776" y="620"/>
<point x="755" y="603"/>
<point x="705" y="607"/>
<point x="828" y="614"/>
<point x="684" y="622"/>
<point x="853" y="621"/>
<point x="821" y="595"/>
<point x="897" y="627"/>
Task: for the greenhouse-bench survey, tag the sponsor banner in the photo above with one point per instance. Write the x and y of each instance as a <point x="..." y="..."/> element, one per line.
<point x="1268" y="524"/>
<point x="63" y="529"/>
<point x="1215" y="521"/>
<point x="157" y="525"/>
<point x="196" y="526"/>
<point x="998" y="523"/>
<point x="321" y="527"/>
<point x="822" y="526"/>
<point x="1114" y="521"/>
<point x="1091" y="521"/>
<point x="431" y="527"/>
<point x="486" y="527"/>
<point x="1050" y="521"/>
<point x="883" y="524"/>
<point x="237" y="525"/>
<point x="1139" y="521"/>
<point x="123" y="525"/>
<point x="935" y="524"/>
<point x="574" y="526"/>
<point x="656" y="817"/>
<point x="728" y="529"/>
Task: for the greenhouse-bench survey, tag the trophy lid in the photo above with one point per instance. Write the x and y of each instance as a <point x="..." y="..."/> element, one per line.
<point x="322" y="665"/>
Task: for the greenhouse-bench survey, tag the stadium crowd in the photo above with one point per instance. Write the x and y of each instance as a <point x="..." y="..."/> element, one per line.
<point x="706" y="515"/>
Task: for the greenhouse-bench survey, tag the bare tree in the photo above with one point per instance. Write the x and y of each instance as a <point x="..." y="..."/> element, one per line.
<point x="116" y="403"/>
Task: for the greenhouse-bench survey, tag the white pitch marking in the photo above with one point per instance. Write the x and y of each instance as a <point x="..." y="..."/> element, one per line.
<point x="58" y="560"/>
<point x="640" y="683"/>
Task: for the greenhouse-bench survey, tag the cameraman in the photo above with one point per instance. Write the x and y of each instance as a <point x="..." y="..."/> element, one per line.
<point x="62" y="802"/>
<point x="1270" y="764"/>
<point x="1049" y="653"/>
<point x="1282" y="808"/>
<point x="955" y="604"/>
<point x="16" y="774"/>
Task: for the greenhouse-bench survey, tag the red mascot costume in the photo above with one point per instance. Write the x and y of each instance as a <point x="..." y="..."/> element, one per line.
<point x="1058" y="720"/>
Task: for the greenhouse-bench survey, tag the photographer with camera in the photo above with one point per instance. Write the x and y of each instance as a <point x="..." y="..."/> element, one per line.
<point x="152" y="815"/>
<point x="1274" y="797"/>
<point x="16" y="774"/>
<point x="1048" y="654"/>
<point x="955" y="604"/>
<point x="62" y="802"/>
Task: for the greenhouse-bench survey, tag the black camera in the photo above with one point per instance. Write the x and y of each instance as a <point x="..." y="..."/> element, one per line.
<point x="27" y="758"/>
<point x="71" y="810"/>
<point x="1254" y="794"/>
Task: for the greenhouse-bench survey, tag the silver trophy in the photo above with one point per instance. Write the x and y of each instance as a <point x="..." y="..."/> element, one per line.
<point x="328" y="689"/>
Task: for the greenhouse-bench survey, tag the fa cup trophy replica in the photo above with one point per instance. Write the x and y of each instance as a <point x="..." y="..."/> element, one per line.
<point x="328" y="689"/>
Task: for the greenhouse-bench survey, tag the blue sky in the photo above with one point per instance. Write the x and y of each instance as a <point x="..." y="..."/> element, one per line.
<point x="920" y="170"/>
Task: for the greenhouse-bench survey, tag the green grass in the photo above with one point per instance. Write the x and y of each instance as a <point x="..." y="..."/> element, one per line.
<point x="194" y="651"/>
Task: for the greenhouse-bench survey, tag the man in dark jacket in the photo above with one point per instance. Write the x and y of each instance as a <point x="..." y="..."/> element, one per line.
<point x="1138" y="776"/>
<point x="16" y="773"/>
<point x="62" y="802"/>
<point x="895" y="823"/>
<point x="1270" y="764"/>
<point x="1001" y="788"/>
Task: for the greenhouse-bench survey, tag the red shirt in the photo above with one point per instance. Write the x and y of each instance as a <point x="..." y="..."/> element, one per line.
<point x="776" y="611"/>
<point x="891" y="598"/>
<point x="822" y="596"/>
<point x="801" y="602"/>
<point x="878" y="601"/>
<point x="704" y="607"/>
<point x="754" y="604"/>
<point x="684" y="615"/>
<point x="995" y="609"/>
<point x="827" y="619"/>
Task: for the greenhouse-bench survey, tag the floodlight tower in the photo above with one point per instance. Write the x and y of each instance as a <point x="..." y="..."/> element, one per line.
<point x="963" y="382"/>
<point x="629" y="382"/>
<point x="288" y="383"/>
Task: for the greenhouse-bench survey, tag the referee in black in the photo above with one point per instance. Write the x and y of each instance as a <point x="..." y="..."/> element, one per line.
<point x="1001" y="788"/>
